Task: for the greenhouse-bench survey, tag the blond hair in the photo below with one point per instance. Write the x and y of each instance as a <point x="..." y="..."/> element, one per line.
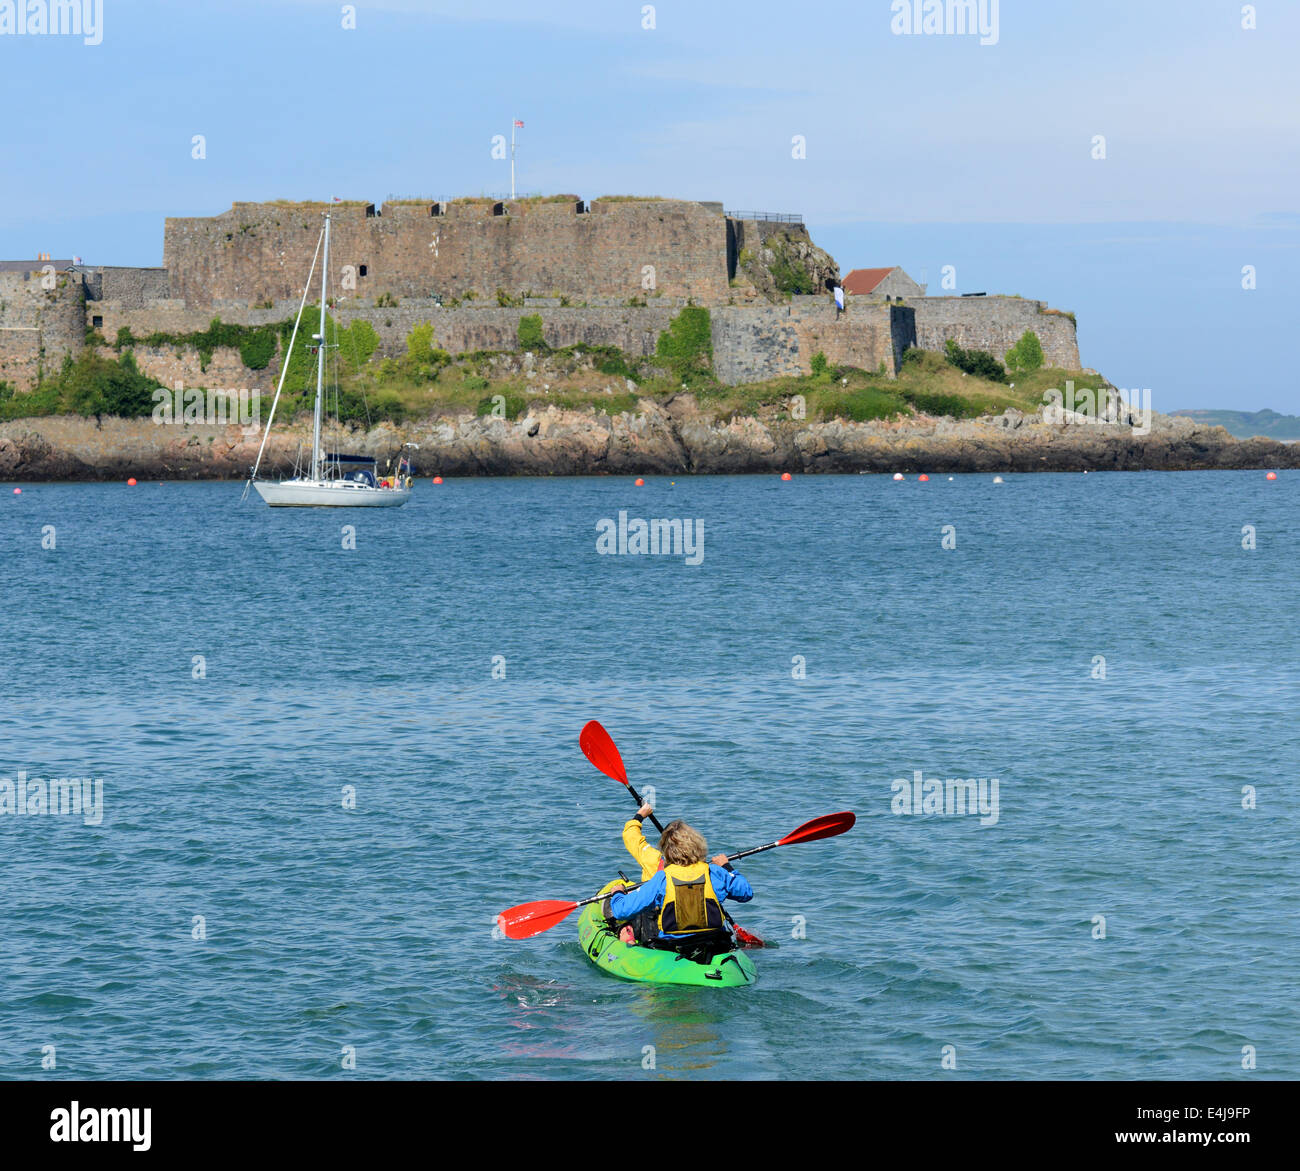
<point x="681" y="845"/>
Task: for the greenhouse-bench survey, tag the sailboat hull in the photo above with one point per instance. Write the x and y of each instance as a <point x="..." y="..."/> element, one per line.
<point x="329" y="494"/>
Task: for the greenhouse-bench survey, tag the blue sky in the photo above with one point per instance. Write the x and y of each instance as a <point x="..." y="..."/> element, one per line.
<point x="921" y="150"/>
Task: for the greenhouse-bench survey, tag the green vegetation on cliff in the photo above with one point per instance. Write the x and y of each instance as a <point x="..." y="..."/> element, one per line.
<point x="429" y="381"/>
<point x="92" y="385"/>
<point x="783" y="264"/>
<point x="791" y="277"/>
<point x="926" y="385"/>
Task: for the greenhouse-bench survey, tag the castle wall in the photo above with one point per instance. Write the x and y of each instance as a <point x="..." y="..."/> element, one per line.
<point x="163" y="316"/>
<point x="751" y="344"/>
<point x="633" y="330"/>
<point x="38" y="326"/>
<point x="183" y="367"/>
<point x="995" y="324"/>
<point x="262" y="251"/>
<point x="135" y="287"/>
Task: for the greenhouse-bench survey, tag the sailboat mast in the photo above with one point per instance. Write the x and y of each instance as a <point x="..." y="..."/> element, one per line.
<point x="316" y="471"/>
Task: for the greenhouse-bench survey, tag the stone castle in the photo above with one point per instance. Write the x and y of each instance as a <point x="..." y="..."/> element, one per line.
<point x="611" y="272"/>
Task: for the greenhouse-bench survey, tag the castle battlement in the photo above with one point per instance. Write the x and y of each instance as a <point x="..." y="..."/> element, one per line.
<point x="564" y="246"/>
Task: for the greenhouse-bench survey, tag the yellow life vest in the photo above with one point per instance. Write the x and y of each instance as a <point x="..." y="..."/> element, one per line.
<point x="690" y="903"/>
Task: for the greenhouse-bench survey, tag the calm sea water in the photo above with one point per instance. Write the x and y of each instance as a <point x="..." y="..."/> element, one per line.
<point x="1120" y="798"/>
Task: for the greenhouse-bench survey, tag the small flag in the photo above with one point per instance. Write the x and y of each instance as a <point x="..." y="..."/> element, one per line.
<point x="337" y="199"/>
<point x="76" y="260"/>
<point x="519" y="124"/>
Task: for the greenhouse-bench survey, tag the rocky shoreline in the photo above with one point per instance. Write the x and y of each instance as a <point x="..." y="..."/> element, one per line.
<point x="674" y="437"/>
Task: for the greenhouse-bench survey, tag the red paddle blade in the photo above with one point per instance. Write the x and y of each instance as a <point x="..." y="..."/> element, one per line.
<point x="746" y="938"/>
<point x="598" y="747"/>
<point x="530" y="919"/>
<point x="829" y="826"/>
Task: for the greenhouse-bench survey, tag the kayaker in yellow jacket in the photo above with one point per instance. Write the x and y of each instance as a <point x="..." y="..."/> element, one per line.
<point x="643" y="853"/>
<point x="651" y="861"/>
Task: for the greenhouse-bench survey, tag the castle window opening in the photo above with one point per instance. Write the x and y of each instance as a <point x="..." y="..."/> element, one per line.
<point x="437" y="209"/>
<point x="498" y="209"/>
<point x="96" y="321"/>
<point x="361" y="271"/>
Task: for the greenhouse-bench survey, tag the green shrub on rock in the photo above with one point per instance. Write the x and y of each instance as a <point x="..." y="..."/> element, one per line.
<point x="976" y="362"/>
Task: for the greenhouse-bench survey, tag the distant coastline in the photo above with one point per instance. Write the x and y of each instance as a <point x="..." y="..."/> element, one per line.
<point x="1249" y="424"/>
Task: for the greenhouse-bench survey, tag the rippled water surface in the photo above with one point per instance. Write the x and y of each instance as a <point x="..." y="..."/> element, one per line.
<point x="326" y="927"/>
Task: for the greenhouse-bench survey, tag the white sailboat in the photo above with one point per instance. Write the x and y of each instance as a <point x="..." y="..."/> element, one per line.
<point x="325" y="483"/>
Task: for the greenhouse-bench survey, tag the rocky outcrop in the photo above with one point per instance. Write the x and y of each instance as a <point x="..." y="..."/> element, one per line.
<point x="672" y="437"/>
<point x="774" y="260"/>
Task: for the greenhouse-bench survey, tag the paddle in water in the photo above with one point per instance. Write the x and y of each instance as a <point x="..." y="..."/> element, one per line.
<point x="598" y="747"/>
<point x="530" y="919"/>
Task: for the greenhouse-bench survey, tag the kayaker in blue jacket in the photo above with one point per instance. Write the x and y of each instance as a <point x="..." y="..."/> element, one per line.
<point x="687" y="893"/>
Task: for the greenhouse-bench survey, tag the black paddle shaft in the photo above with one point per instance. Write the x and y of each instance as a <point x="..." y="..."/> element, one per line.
<point x="755" y="850"/>
<point x="597" y="898"/>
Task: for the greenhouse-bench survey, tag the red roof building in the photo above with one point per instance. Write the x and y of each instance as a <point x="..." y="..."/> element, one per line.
<point x="881" y="282"/>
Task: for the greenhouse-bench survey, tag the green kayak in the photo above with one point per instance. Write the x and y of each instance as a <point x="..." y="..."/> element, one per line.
<point x="731" y="969"/>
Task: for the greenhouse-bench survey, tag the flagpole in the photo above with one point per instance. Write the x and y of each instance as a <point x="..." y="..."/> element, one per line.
<point x="514" y="122"/>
